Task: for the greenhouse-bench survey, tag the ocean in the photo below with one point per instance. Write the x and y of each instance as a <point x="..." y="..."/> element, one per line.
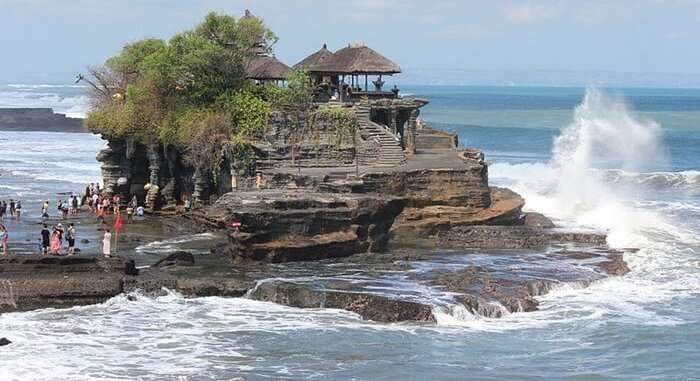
<point x="623" y="161"/>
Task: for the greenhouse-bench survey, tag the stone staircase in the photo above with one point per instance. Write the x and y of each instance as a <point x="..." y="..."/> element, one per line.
<point x="390" y="151"/>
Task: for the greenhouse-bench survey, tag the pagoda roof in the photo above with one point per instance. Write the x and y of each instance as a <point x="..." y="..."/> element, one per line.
<point x="266" y="67"/>
<point x="315" y="59"/>
<point x="355" y="59"/>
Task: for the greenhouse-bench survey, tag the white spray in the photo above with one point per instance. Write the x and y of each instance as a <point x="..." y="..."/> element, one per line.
<point x="603" y="134"/>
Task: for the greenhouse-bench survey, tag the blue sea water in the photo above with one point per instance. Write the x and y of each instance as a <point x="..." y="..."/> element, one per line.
<point x="624" y="161"/>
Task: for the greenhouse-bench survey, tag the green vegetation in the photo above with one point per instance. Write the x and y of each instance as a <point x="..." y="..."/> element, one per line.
<point x="187" y="90"/>
<point x="191" y="92"/>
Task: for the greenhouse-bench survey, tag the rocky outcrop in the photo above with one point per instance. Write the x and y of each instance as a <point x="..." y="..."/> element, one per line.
<point x="512" y="237"/>
<point x="179" y="258"/>
<point x="417" y="223"/>
<point x="288" y="225"/>
<point x="38" y="119"/>
<point x="36" y="281"/>
<point x="370" y="306"/>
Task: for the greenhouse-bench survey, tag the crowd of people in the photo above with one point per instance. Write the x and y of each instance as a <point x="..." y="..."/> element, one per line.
<point x="52" y="241"/>
<point x="13" y="209"/>
<point x="60" y="239"/>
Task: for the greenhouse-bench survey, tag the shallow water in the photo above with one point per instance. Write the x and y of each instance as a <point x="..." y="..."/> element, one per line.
<point x="642" y="326"/>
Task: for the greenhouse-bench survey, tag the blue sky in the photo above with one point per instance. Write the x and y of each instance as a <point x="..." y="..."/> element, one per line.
<point x="439" y="41"/>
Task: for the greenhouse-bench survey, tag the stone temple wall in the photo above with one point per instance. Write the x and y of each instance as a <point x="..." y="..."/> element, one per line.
<point x="321" y="148"/>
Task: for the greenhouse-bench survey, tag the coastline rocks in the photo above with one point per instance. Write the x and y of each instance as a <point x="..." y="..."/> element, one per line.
<point x="288" y="225"/>
<point x="487" y="294"/>
<point x="180" y="258"/>
<point x="38" y="119"/>
<point x="28" y="282"/>
<point x="512" y="237"/>
<point x="369" y="306"/>
<point x="615" y="265"/>
<point x="416" y="223"/>
<point x="537" y="220"/>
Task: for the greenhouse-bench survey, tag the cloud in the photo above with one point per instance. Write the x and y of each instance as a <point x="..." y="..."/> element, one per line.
<point x="529" y="13"/>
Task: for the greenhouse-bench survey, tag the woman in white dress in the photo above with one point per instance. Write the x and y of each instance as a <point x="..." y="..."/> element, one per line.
<point x="107" y="243"/>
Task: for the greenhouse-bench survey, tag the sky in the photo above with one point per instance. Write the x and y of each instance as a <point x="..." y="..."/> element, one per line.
<point x="440" y="41"/>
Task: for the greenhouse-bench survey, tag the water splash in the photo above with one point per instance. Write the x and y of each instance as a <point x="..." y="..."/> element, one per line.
<point x="596" y="179"/>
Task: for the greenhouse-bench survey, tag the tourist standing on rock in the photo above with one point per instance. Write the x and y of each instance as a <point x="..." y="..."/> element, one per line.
<point x="45" y="240"/>
<point x="4" y="238"/>
<point x="70" y="237"/>
<point x="59" y="228"/>
<point x="55" y="242"/>
<point x="107" y="243"/>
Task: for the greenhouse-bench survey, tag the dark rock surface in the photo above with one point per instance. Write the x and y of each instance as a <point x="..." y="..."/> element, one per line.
<point x="371" y="307"/>
<point x="180" y="258"/>
<point x="512" y="237"/>
<point x="282" y="226"/>
<point x="38" y="119"/>
<point x="615" y="265"/>
<point x="28" y="282"/>
<point x="4" y="341"/>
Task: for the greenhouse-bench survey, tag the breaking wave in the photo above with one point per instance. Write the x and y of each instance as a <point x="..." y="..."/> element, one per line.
<point x="597" y="178"/>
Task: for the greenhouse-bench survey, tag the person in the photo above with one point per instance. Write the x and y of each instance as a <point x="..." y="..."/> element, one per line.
<point x="59" y="228"/>
<point x="45" y="210"/>
<point x="130" y="207"/>
<point x="4" y="237"/>
<point x="12" y="208"/>
<point x="64" y="209"/>
<point x="18" y="209"/>
<point x="94" y="201"/>
<point x="116" y="203"/>
<point x="45" y="240"/>
<point x="70" y="237"/>
<point x="107" y="243"/>
<point x="74" y="205"/>
<point x="3" y="210"/>
<point x="100" y="211"/>
<point x="55" y="243"/>
<point x="188" y="204"/>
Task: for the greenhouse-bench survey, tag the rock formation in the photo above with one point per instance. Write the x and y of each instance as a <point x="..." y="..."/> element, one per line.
<point x="38" y="119"/>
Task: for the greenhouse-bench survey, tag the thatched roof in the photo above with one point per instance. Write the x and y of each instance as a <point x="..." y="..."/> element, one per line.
<point x="266" y="67"/>
<point x="315" y="59"/>
<point x="357" y="59"/>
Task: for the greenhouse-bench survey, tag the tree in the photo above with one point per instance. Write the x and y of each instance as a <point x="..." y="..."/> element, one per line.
<point x="177" y="92"/>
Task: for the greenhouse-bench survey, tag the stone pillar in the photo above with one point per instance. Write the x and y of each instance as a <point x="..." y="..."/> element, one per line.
<point x="392" y="120"/>
<point x="154" y="165"/>
<point x="201" y="185"/>
<point x="112" y="168"/>
<point x="410" y="132"/>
